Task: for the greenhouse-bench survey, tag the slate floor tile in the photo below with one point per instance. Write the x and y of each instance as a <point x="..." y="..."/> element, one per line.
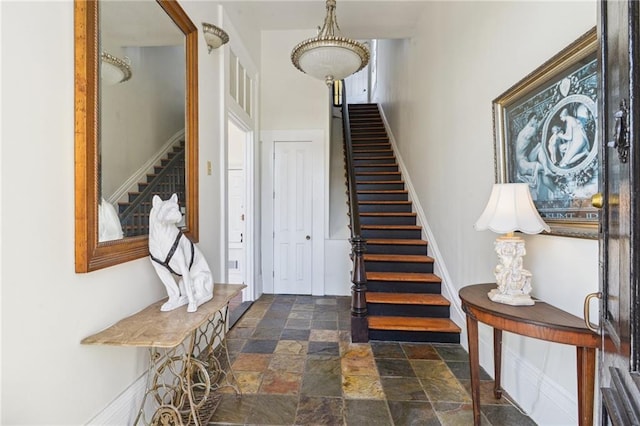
<point x="359" y="412"/>
<point x="413" y="413"/>
<point x="295" y="364"/>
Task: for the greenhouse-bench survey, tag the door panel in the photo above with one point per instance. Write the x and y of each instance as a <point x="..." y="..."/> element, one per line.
<point x="620" y="243"/>
<point x="358" y="87"/>
<point x="293" y="217"/>
<point x="237" y="229"/>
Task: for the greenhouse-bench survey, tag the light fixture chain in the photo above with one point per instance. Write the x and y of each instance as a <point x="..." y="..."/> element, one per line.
<point x="330" y="21"/>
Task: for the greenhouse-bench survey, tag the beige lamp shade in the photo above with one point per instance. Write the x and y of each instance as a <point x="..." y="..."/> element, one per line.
<point x="510" y="208"/>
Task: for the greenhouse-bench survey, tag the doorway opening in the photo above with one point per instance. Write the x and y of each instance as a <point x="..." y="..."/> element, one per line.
<point x="236" y="206"/>
<point x="238" y="259"/>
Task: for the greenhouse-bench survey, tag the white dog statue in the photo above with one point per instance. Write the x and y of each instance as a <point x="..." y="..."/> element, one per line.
<point x="174" y="255"/>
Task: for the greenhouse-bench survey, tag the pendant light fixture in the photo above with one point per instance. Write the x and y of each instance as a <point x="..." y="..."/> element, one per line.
<point x="328" y="56"/>
<point x="115" y="70"/>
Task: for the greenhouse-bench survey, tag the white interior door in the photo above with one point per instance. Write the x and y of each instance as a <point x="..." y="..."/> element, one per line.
<point x="357" y="86"/>
<point x="293" y="218"/>
<point x="236" y="205"/>
<point x="237" y="230"/>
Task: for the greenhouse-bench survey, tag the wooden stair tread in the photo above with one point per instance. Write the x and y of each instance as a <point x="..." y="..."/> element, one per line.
<point x="407" y="299"/>
<point x="388" y="214"/>
<point x="376" y="173"/>
<point x="374" y="157"/>
<point x="396" y="241"/>
<point x="411" y="258"/>
<point x="383" y="202"/>
<point x="375" y="182"/>
<point x="382" y="191"/>
<point x="366" y="147"/>
<point x="421" y="277"/>
<point x="368" y="136"/>
<point x="441" y="325"/>
<point x="393" y="227"/>
<point x="379" y="165"/>
<point x="361" y="146"/>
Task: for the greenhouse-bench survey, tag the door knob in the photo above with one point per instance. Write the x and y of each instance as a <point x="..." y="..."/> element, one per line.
<point x="597" y="200"/>
<point x="308" y="237"/>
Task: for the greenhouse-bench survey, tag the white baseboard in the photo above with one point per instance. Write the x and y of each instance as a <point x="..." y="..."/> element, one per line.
<point x="539" y="397"/>
<point x="124" y="409"/>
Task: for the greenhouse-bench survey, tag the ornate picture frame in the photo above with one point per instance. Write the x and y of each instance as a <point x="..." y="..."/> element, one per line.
<point x="545" y="134"/>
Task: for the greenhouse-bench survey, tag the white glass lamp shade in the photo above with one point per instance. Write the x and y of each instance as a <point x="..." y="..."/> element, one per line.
<point x="329" y="56"/>
<point x="330" y="59"/>
<point x="510" y="208"/>
<point x="114" y="70"/>
<point x="214" y="36"/>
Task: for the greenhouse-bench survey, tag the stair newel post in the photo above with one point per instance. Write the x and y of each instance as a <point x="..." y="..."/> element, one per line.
<point x="359" y="321"/>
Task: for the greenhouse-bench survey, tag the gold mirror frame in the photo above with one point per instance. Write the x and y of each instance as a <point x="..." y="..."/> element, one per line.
<point x="90" y="254"/>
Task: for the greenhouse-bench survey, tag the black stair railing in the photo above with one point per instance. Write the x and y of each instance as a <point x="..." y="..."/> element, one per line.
<point x="167" y="180"/>
<point x="359" y="320"/>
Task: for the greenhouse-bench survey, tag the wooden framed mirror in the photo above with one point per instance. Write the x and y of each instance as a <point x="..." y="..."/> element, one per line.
<point x="153" y="60"/>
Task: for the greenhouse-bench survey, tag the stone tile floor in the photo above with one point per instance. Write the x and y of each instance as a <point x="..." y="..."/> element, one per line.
<point x="296" y="365"/>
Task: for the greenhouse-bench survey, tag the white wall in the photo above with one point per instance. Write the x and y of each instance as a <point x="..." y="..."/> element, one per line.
<point x="291" y="100"/>
<point x="46" y="307"/>
<point x="436" y="90"/>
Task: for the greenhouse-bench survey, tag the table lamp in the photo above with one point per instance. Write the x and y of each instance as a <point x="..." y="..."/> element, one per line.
<point x="510" y="208"/>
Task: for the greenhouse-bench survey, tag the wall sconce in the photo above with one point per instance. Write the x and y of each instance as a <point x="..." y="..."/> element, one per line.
<point x="115" y="70"/>
<point x="510" y="208"/>
<point x="214" y="36"/>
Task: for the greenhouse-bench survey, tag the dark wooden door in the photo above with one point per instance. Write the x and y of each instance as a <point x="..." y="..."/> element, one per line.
<point x="620" y="238"/>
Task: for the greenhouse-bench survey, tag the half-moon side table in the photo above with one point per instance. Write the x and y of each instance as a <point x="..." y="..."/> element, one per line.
<point x="540" y="321"/>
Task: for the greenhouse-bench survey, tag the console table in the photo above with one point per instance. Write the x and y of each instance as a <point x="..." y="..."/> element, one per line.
<point x="540" y="321"/>
<point x="188" y="357"/>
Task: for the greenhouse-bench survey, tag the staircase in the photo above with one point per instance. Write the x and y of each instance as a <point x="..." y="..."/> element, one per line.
<point x="403" y="296"/>
<point x="167" y="178"/>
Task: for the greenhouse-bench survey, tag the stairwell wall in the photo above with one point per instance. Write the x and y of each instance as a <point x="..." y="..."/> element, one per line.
<point x="437" y="99"/>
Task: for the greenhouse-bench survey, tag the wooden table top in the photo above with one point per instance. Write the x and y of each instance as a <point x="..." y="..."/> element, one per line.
<point x="154" y="328"/>
<point x="540" y="314"/>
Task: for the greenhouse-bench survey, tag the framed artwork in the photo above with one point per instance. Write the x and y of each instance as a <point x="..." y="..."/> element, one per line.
<point x="545" y="134"/>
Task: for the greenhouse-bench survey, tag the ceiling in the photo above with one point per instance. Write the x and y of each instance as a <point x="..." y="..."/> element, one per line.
<point x="359" y="19"/>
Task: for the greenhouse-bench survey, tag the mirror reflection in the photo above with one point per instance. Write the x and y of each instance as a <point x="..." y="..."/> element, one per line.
<point x="141" y="135"/>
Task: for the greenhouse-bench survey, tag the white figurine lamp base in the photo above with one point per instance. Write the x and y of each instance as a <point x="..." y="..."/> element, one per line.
<point x="514" y="282"/>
